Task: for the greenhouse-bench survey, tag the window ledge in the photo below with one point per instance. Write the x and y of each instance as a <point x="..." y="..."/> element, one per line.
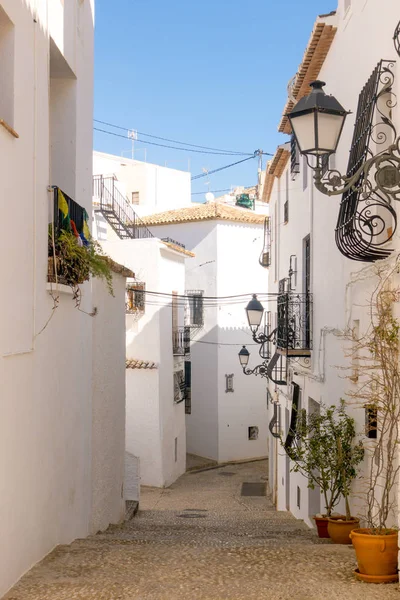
<point x="59" y="288"/>
<point x="9" y="128"/>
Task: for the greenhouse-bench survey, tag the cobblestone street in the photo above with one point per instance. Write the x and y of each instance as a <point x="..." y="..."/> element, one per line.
<point x="201" y="539"/>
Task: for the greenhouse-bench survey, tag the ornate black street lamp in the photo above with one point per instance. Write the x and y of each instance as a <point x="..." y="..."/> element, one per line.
<point x="317" y="122"/>
<point x="244" y="356"/>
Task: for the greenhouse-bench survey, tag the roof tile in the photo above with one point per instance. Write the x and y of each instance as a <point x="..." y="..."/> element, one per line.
<point x="208" y="211"/>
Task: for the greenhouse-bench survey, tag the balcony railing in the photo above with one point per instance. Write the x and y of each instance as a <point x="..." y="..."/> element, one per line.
<point x="178" y="341"/>
<point x="294" y="331"/>
<point x="117" y="210"/>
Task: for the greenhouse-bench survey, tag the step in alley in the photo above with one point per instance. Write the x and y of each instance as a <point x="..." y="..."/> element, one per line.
<point x="203" y="539"/>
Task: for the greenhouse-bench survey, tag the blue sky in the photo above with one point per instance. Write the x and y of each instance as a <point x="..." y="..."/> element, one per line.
<point x="212" y="73"/>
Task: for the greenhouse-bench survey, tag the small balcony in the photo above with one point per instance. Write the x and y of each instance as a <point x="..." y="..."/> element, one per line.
<point x="294" y="331"/>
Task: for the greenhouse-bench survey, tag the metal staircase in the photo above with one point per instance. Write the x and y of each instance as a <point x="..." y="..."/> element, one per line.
<point x="117" y="210"/>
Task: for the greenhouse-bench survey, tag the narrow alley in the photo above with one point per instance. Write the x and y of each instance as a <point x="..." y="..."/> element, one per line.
<point x="202" y="538"/>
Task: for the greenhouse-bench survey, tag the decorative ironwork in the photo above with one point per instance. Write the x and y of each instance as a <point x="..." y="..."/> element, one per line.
<point x="274" y="424"/>
<point x="291" y="435"/>
<point x="293" y="337"/>
<point x="117" y="210"/>
<point x="261" y="370"/>
<point x="367" y="219"/>
<point x="277" y="369"/>
<point x="265" y="256"/>
<point x="396" y="38"/>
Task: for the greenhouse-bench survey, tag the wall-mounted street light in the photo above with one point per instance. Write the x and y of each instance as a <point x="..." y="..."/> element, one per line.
<point x="255" y="312"/>
<point x="317" y="122"/>
<point x="244" y="356"/>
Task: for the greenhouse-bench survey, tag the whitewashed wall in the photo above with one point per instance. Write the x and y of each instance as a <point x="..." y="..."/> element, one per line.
<point x="46" y="375"/>
<point x="225" y="263"/>
<point x="108" y="405"/>
<point x="160" y="188"/>
<point x="337" y="301"/>
<point x="153" y="421"/>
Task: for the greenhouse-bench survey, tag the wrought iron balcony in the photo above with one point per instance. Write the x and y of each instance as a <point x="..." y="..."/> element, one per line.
<point x="178" y="341"/>
<point x="294" y="331"/>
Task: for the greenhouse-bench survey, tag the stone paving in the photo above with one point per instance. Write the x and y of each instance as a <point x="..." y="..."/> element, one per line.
<point x="201" y="540"/>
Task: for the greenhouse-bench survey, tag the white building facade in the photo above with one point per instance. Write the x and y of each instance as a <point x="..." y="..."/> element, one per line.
<point x="148" y="187"/>
<point x="326" y="287"/>
<point x="226" y="415"/>
<point x="62" y="460"/>
<point x="155" y="400"/>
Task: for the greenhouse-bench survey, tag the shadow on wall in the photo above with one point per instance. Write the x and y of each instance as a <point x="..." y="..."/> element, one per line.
<point x="229" y="410"/>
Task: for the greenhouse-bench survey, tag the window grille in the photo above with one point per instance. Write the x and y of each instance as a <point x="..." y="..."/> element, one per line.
<point x="286" y="212"/>
<point x="265" y="256"/>
<point x="135" y="297"/>
<point x="294" y="157"/>
<point x="357" y="230"/>
<point x="179" y="386"/>
<point x="194" y="307"/>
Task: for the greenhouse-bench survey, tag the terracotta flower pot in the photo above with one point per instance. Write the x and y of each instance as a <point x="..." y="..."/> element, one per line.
<point x="339" y="529"/>
<point x="322" y="526"/>
<point x="376" y="555"/>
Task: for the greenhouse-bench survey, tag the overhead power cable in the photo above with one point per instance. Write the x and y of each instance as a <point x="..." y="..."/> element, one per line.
<point x="167" y="146"/>
<point x="157" y="137"/>
<point x="207" y="173"/>
<point x="217" y="191"/>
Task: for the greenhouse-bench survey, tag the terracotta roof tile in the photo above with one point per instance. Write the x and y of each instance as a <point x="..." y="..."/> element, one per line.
<point x="133" y="363"/>
<point x="178" y="248"/>
<point x="314" y="56"/>
<point x="275" y="168"/>
<point x="209" y="211"/>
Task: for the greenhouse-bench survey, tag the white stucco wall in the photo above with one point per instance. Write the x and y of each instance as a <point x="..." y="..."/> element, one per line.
<point x="108" y="405"/>
<point x="225" y="263"/>
<point x="46" y="375"/>
<point x="337" y="303"/>
<point x="160" y="188"/>
<point x="153" y="420"/>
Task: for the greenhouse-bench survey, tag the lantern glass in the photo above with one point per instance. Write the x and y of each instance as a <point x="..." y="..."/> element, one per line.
<point x="254" y="311"/>
<point x="304" y="129"/>
<point x="244" y="356"/>
<point x="329" y="130"/>
<point x="317" y="121"/>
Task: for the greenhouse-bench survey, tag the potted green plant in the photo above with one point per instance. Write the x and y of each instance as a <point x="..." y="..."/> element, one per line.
<point x="322" y="449"/>
<point x="378" y="393"/>
<point x="70" y="263"/>
<point x="348" y="456"/>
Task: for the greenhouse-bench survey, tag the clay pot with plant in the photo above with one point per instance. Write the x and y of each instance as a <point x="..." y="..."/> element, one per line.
<point x="377" y="352"/>
<point x="349" y="456"/>
<point x="323" y="451"/>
